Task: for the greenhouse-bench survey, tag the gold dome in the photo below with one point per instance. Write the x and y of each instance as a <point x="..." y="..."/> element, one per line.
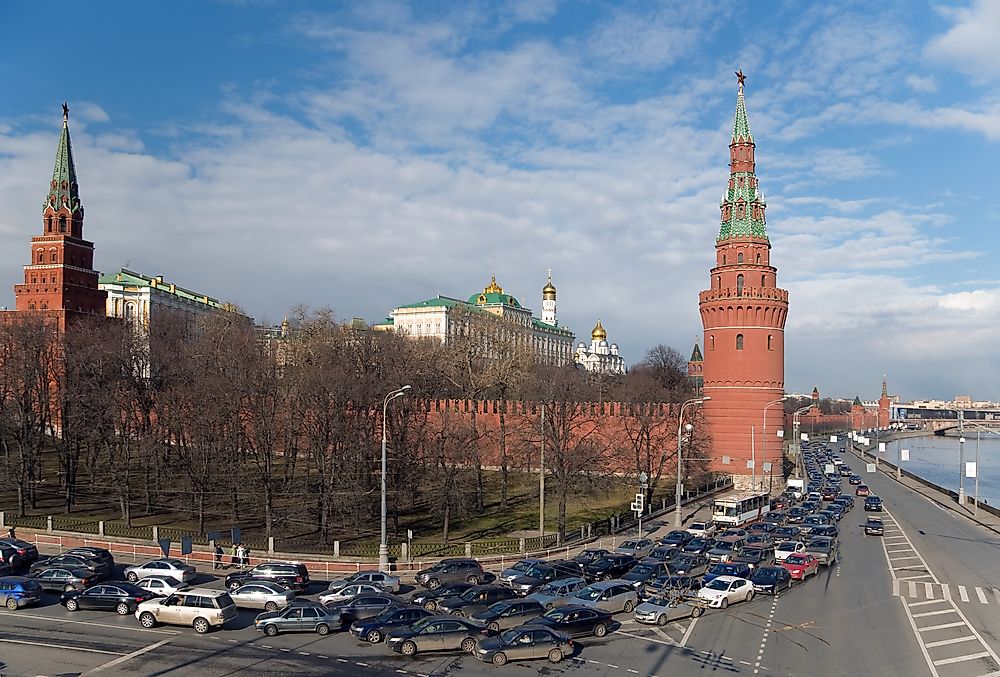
<point x="549" y="289"/>
<point x="599" y="334"/>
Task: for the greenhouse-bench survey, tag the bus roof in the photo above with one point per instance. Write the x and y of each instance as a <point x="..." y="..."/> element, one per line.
<point x="740" y="496"/>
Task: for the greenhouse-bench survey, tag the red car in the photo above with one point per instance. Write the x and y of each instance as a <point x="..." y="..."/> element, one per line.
<point x="862" y="490"/>
<point x="801" y="566"/>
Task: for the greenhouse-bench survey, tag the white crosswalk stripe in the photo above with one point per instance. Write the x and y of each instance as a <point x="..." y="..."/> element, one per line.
<point x="941" y="592"/>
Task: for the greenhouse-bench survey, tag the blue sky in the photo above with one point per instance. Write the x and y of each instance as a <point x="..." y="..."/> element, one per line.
<point x="365" y="155"/>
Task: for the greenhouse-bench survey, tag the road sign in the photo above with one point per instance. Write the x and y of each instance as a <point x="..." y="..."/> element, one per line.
<point x="781" y="433"/>
<point x="904" y="454"/>
<point x="726" y="460"/>
<point x="881" y="447"/>
<point x="869" y="467"/>
<point x="643" y="477"/>
<point x="766" y="467"/>
<point x="749" y="464"/>
<point x="833" y="438"/>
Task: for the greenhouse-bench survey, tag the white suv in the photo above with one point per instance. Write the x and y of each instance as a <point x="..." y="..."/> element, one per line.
<point x="201" y="608"/>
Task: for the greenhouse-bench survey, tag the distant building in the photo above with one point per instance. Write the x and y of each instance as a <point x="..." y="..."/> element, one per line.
<point x="695" y="366"/>
<point x="600" y="357"/>
<point x="437" y="318"/>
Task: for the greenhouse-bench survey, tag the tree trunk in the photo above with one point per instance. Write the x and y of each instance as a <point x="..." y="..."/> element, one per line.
<point x="504" y="469"/>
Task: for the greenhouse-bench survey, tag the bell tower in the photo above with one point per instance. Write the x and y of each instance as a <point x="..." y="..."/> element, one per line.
<point x="743" y="314"/>
<point x="60" y="274"/>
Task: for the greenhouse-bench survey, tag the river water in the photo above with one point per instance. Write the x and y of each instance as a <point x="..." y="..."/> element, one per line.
<point x="936" y="459"/>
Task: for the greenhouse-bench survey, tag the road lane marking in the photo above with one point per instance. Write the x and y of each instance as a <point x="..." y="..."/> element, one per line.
<point x="52" y="619"/>
<point x="925" y="602"/>
<point x="694" y="621"/>
<point x="913" y="588"/>
<point x="895" y="588"/>
<point x="943" y="626"/>
<point x="945" y="591"/>
<point x="129" y="656"/>
<point x="61" y="646"/>
<point x="929" y="591"/>
<point x="981" y="595"/>
<point x="946" y="642"/>
<point x="963" y="593"/>
<point x="960" y="659"/>
<point x="941" y="612"/>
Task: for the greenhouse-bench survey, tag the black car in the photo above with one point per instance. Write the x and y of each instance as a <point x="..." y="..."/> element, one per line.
<point x="24" y="553"/>
<point x="854" y="479"/>
<point x="364" y="606"/>
<point x="797" y="514"/>
<point x="588" y="555"/>
<point x="610" y="567"/>
<point x="64" y="579"/>
<point x="688" y="564"/>
<point x="374" y="629"/>
<point x="430" y="598"/>
<point x="828" y="530"/>
<point x="770" y="579"/>
<point x="118" y="596"/>
<point x="755" y="557"/>
<point x="100" y="554"/>
<point x="287" y="574"/>
<point x="677" y="537"/>
<point x="873" y="504"/>
<point x="475" y="599"/>
<point x="100" y="569"/>
<point x="874" y="526"/>
<point x="663" y="553"/>
<point x="645" y="571"/>
<point x="699" y="546"/>
<point x="683" y="583"/>
<point x="575" y="620"/>
<point x="542" y="573"/>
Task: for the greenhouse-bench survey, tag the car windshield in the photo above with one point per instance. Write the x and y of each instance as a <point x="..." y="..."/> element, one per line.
<point x="724" y="569"/>
<point x="796" y="559"/>
<point x="536" y="570"/>
<point x="723" y="545"/>
<point x="642" y="569"/>
<point x="522" y="566"/>
<point x="422" y="623"/>
<point x="498" y="607"/>
<point x="787" y="545"/>
<point x="697" y="526"/>
<point x="629" y="545"/>
<point x="767" y="574"/>
<point x="698" y="542"/>
<point x="470" y="594"/>
<point x="589" y="593"/>
<point x="717" y="584"/>
<point x="660" y="601"/>
<point x="508" y="636"/>
<point x="556" y="614"/>
<point x="386" y="615"/>
<point x="603" y="563"/>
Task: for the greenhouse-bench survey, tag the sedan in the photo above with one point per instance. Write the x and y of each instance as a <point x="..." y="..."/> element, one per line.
<point x="557" y="592"/>
<point x="373" y="630"/>
<point x="874" y="526"/>
<point x="116" y="596"/>
<point x="673" y="584"/>
<point x="380" y="579"/>
<point x="826" y="550"/>
<point x="854" y="480"/>
<point x="677" y="537"/>
<point x="645" y="571"/>
<point x="638" y="548"/>
<point x="873" y="504"/>
<point x="348" y="592"/>
<point x="435" y="633"/>
<point x="609" y="567"/>
<point x="699" y="546"/>
<point x="613" y="596"/>
<point x="801" y="566"/>
<point x="23" y="552"/>
<point x="737" y="569"/>
<point x="755" y="557"/>
<point x="519" y="568"/>
<point x="172" y="568"/>
<point x="507" y="614"/>
<point x="576" y="620"/>
<point x="364" y="606"/>
<point x="66" y="561"/>
<point x="588" y="555"/>
<point x="161" y="585"/>
<point x="726" y="590"/>
<point x="310" y="617"/>
<point x="797" y="514"/>
<point x="861" y="490"/>
<point x="429" y="599"/>
<point x="688" y="565"/>
<point x="787" y="548"/>
<point x="60" y="579"/>
<point x="264" y="595"/>
<point x="771" y="580"/>
<point x="662" y="610"/>
<point x="524" y="643"/>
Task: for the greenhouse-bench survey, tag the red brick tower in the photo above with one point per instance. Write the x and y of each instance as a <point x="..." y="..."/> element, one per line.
<point x="883" y="405"/>
<point x="60" y="276"/>
<point x="743" y="314"/>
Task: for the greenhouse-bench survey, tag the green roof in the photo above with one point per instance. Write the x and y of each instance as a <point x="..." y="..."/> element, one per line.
<point x="857" y="401"/>
<point x="436" y="302"/>
<point x="63" y="188"/>
<point x="741" y="126"/>
<point x="132" y="279"/>
<point x="744" y="193"/>
<point x="696" y="355"/>
<point x="493" y="298"/>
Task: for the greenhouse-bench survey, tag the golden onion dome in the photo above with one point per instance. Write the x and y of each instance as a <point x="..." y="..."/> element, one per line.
<point x="599" y="334"/>
<point x="549" y="290"/>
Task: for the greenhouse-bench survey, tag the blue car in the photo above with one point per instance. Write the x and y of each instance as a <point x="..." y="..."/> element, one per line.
<point x="373" y="630"/>
<point x="18" y="591"/>
<point x="738" y="569"/>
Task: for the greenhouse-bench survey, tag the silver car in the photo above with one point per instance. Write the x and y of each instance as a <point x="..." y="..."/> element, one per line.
<point x="614" y="596"/>
<point x="262" y="595"/>
<point x="557" y="593"/>
<point x="638" y="547"/>
<point x="387" y="582"/>
<point x="171" y="568"/>
<point x="161" y="585"/>
<point x="520" y="568"/>
<point x="348" y="592"/>
<point x="661" y="610"/>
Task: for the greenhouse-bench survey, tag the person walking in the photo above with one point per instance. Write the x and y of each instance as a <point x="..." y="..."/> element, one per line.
<point x="241" y="554"/>
<point x="217" y="563"/>
<point x="234" y="552"/>
<point x="246" y="555"/>
<point x="10" y="533"/>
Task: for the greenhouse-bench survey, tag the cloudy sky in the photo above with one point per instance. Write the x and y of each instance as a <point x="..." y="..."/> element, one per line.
<point x="364" y="155"/>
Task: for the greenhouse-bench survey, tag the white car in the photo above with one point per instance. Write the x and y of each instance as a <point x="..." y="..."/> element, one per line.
<point x="387" y="582"/>
<point x="785" y="548"/>
<point x="722" y="591"/>
<point x="161" y="585"/>
<point x="348" y="592"/>
<point x="702" y="529"/>
<point x="172" y="568"/>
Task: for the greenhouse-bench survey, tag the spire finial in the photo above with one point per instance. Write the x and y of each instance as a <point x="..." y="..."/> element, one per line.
<point x="885" y="389"/>
<point x="65" y="113"/>
<point x="550" y="275"/>
<point x="741" y="79"/>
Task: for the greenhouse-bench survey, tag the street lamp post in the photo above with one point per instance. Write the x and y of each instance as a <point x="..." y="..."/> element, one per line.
<point x="798" y="438"/>
<point x="383" y="546"/>
<point x="680" y="431"/>
<point x="764" y="433"/>
<point x="961" y="459"/>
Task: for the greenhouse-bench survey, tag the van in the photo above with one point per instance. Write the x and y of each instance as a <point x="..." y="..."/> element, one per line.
<point x="200" y="608"/>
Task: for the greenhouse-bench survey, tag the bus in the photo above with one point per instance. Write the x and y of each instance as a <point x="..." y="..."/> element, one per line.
<point x="735" y="510"/>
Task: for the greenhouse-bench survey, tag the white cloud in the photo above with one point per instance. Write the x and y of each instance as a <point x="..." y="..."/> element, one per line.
<point x="970" y="44"/>
<point x="920" y="83"/>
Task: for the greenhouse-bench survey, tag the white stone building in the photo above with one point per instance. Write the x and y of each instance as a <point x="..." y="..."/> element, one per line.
<point x="599" y="357"/>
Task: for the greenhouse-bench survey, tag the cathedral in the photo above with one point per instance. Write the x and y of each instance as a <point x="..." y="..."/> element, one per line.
<point x="599" y="357"/>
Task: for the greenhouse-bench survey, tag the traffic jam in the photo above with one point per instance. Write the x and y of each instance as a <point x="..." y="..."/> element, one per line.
<point x="755" y="544"/>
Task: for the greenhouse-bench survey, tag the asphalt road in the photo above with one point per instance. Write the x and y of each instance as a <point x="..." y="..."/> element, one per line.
<point x="855" y="618"/>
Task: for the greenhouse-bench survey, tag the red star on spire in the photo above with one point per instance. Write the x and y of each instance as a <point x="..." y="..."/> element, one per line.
<point x="741" y="78"/>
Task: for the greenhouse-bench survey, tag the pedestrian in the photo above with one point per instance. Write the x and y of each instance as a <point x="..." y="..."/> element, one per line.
<point x="233" y="556"/>
<point x="217" y="563"/>
<point x="241" y="555"/>
<point x="246" y="555"/>
<point x="10" y="533"/>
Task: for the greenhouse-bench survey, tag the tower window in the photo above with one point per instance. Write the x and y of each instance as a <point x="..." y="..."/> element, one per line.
<point x="739" y="258"/>
<point x="62" y="224"/>
<point x="758" y="258"/>
<point x="723" y="259"/>
<point x="711" y="342"/>
<point x="763" y="280"/>
<point x="739" y="285"/>
<point x="52" y="256"/>
<point x="739" y="342"/>
<point x="40" y="257"/>
<point x="718" y="281"/>
<point x="48" y="223"/>
<point x="770" y="345"/>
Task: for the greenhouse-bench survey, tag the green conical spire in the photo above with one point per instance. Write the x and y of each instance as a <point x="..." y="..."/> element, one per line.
<point x="696" y="354"/>
<point x="741" y="126"/>
<point x="743" y="203"/>
<point x="64" y="190"/>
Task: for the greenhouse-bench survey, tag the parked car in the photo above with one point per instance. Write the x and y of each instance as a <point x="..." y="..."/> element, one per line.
<point x="663" y="609"/>
<point x="731" y="569"/>
<point x="261" y="595"/>
<point x="801" y="566"/>
<point x="161" y="585"/>
<point x="364" y="606"/>
<point x="701" y="529"/>
<point x="171" y="568"/>
<point x="507" y="614"/>
<point x="557" y="593"/>
<point x="64" y="579"/>
<point x="19" y="591"/>
<point x="373" y="630"/>
<point x="117" y="596"/>
<point x="609" y="567"/>
<point x="24" y="553"/>
<point x="298" y="617"/>
<point x="874" y="526"/>
<point x="637" y="548"/>
<point x="429" y="599"/>
<point x="771" y="579"/>
<point x="292" y="575"/>
<point x="588" y="555"/>
<point x="380" y="579"/>
<point x="452" y="570"/>
<point x="67" y="561"/>
<point x="576" y="620"/>
<point x="348" y="592"/>
<point x="524" y="643"/>
<point x="725" y="590"/>
<point x="519" y="568"/>
<point x="435" y="633"/>
<point x="613" y="596"/>
<point x="200" y="608"/>
<point x="787" y="548"/>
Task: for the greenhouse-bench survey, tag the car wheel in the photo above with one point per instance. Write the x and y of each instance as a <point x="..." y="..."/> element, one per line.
<point x="499" y="658"/>
<point x="725" y="603"/>
<point x="122" y="609"/>
<point x="550" y="606"/>
<point x="201" y="626"/>
<point x="600" y="630"/>
<point x="147" y="620"/>
<point x="408" y="648"/>
<point x="749" y="596"/>
<point x="234" y="585"/>
<point x="456" y="612"/>
<point x="493" y="627"/>
<point x="271" y="606"/>
<point x="433" y="584"/>
<point x="374" y="637"/>
<point x="696" y="612"/>
<point x="472" y="580"/>
<point x="468" y="645"/>
<point x="71" y="605"/>
<point x="322" y="629"/>
<point x="629" y="606"/>
<point x="271" y="630"/>
<point x="661" y="619"/>
<point x="132" y="576"/>
<point x="555" y="656"/>
<point x="12" y="604"/>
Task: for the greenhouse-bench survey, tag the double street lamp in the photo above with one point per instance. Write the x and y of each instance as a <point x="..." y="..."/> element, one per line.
<point x="798" y="437"/>
<point x="680" y="432"/>
<point x="763" y="464"/>
<point x="383" y="547"/>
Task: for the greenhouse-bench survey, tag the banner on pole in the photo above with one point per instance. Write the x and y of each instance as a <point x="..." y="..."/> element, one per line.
<point x="970" y="468"/>
<point x="726" y="460"/>
<point x="870" y="467"/>
<point x="904" y="454"/>
<point x="833" y="438"/>
<point x="750" y="464"/>
<point x="881" y="447"/>
<point x="781" y="433"/>
<point x="804" y="436"/>
<point x="766" y="466"/>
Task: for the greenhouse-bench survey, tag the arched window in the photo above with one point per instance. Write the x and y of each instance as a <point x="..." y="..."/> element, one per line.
<point x="739" y="342"/>
<point x="129" y="311"/>
<point x="48" y="223"/>
<point x="52" y="257"/>
<point x="739" y="285"/>
<point x="739" y="258"/>
<point x="763" y="280"/>
<point x="45" y="305"/>
<point x="711" y="342"/>
<point x="40" y="256"/>
<point x="723" y="259"/>
<point x="770" y="345"/>
<point x="718" y="282"/>
<point x="758" y="257"/>
<point x="62" y="224"/>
